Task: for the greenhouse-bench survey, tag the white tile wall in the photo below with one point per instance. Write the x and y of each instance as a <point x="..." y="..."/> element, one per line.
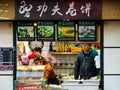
<point x="6" y="40"/>
<point x="111" y="60"/>
<point x="112" y="33"/>
<point x="111" y="55"/>
<point x="6" y="34"/>
<point x="6" y="82"/>
<point x="112" y="83"/>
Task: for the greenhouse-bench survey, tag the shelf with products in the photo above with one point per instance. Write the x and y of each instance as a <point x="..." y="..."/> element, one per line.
<point x="65" y="47"/>
<point x="64" y="65"/>
<point x="66" y="57"/>
<point x="70" y="47"/>
<point x="67" y="62"/>
<point x="66" y="52"/>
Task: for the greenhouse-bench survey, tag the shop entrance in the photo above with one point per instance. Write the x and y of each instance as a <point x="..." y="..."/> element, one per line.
<point x="60" y="43"/>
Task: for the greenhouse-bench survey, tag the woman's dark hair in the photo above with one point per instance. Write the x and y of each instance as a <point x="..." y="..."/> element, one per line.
<point x="38" y="49"/>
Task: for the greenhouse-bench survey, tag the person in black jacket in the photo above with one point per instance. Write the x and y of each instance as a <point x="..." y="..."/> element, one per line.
<point x="85" y="63"/>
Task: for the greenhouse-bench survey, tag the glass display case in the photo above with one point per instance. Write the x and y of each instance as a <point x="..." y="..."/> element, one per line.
<point x="29" y="77"/>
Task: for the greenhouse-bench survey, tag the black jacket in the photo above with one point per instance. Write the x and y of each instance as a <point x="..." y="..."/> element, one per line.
<point x="85" y="65"/>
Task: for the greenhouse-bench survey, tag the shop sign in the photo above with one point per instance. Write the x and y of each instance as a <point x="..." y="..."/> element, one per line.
<point x="7" y="9"/>
<point x="58" y="10"/>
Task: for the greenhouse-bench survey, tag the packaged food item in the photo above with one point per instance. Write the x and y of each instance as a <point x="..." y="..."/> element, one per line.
<point x="76" y="49"/>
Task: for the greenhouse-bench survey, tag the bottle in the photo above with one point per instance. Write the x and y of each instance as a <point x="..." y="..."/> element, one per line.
<point x="57" y="47"/>
<point x="69" y="50"/>
<point x="66" y="47"/>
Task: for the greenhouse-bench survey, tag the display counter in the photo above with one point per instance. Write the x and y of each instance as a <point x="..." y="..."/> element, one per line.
<point x="81" y="85"/>
<point x="66" y="85"/>
<point x="29" y="85"/>
<point x="30" y="78"/>
<point x="76" y="85"/>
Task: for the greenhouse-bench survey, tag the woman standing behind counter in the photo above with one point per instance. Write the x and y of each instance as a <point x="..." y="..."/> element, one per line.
<point x="49" y="73"/>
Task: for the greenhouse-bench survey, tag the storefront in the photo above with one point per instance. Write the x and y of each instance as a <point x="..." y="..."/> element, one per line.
<point x="60" y="29"/>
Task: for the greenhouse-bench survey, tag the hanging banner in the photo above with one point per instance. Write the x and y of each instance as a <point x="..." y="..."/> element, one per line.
<point x="58" y="10"/>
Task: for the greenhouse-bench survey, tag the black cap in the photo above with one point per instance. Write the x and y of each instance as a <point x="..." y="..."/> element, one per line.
<point x="39" y="58"/>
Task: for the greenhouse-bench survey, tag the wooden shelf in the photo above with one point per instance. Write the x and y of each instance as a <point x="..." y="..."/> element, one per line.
<point x="63" y="67"/>
<point x="63" y="52"/>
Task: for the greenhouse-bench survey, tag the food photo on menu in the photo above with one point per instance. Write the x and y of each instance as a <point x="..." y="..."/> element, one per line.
<point x="26" y="33"/>
<point x="66" y="31"/>
<point x="45" y="31"/>
<point x="86" y="31"/>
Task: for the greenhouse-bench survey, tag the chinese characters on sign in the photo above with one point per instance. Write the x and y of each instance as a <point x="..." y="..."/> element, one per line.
<point x="65" y="10"/>
<point x="26" y="8"/>
<point x="86" y="9"/>
<point x="42" y="9"/>
<point x="56" y="10"/>
<point x="71" y="10"/>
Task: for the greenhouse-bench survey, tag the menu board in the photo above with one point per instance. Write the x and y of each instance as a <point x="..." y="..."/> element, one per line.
<point x="6" y="58"/>
<point x="86" y="31"/>
<point x="25" y="31"/>
<point x="45" y="31"/>
<point x="66" y="31"/>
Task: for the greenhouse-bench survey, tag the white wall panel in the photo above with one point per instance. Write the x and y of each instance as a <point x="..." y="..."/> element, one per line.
<point x="6" y="34"/>
<point x="112" y="33"/>
<point x="111" y="60"/>
<point x="111" y="82"/>
<point x="6" y="82"/>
